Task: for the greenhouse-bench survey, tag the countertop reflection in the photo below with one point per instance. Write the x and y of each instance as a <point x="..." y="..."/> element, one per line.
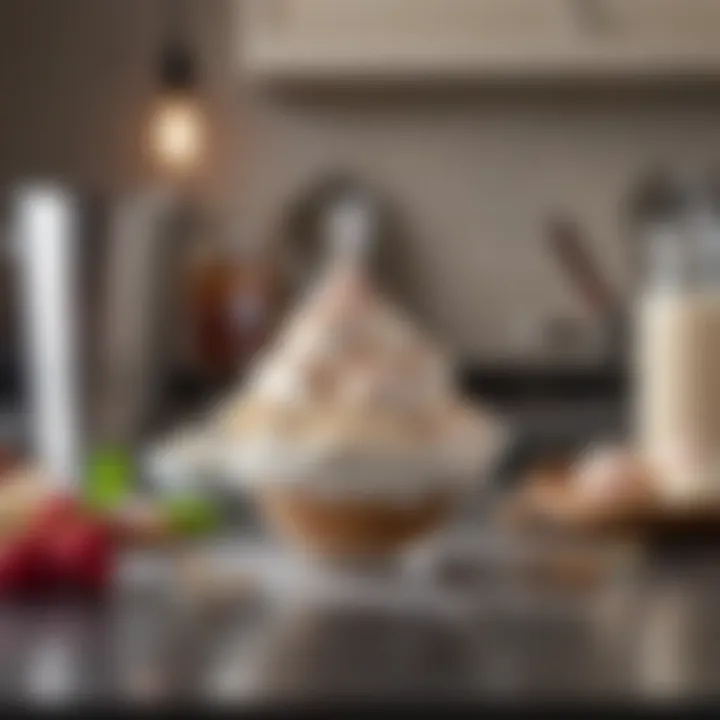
<point x="649" y="633"/>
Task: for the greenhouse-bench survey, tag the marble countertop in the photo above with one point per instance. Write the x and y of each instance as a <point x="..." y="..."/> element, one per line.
<point x="267" y="625"/>
<point x="273" y="626"/>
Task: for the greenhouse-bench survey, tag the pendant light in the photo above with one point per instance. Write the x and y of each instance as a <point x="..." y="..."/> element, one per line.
<point x="177" y="124"/>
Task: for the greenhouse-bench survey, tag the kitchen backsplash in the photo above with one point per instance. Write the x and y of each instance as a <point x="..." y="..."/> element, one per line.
<point x="478" y="175"/>
<point x="476" y="172"/>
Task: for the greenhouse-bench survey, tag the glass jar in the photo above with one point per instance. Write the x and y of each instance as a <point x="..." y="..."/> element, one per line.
<point x="678" y="340"/>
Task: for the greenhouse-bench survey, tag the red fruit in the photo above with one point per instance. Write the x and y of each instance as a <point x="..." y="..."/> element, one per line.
<point x="57" y="511"/>
<point x="24" y="568"/>
<point x="83" y="556"/>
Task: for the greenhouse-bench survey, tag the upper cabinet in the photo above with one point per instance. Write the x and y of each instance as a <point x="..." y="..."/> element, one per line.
<point x="676" y="24"/>
<point x="387" y="40"/>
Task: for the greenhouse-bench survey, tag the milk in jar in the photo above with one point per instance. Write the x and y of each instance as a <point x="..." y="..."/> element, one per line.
<point x="679" y="382"/>
<point x="677" y="370"/>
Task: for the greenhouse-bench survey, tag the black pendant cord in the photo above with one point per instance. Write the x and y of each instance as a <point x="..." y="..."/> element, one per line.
<point x="177" y="64"/>
<point x="176" y="12"/>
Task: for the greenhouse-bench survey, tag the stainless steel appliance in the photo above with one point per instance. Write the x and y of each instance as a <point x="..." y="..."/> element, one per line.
<point x="88" y="312"/>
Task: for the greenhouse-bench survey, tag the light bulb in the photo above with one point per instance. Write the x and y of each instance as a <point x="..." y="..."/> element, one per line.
<point x="177" y="133"/>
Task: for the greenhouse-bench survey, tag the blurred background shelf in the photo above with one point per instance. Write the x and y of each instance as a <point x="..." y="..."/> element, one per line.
<point x="483" y="41"/>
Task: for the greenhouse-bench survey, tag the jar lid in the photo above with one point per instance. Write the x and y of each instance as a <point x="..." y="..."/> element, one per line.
<point x="660" y="196"/>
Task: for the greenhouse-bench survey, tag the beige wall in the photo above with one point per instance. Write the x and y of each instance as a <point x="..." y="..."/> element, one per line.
<point x="76" y="87"/>
<point x="476" y="172"/>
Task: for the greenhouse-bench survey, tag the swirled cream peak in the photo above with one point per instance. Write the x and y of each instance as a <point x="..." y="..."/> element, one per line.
<point x="351" y="397"/>
<point x="348" y="347"/>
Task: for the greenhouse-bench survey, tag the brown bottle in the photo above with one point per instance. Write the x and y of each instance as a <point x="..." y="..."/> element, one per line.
<point x="235" y="302"/>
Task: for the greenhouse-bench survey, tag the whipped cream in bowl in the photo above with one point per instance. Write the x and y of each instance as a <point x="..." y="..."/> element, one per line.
<point x="349" y="426"/>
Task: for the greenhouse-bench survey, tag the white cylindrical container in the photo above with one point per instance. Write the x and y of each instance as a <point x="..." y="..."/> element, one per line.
<point x="678" y="352"/>
<point x="45" y="236"/>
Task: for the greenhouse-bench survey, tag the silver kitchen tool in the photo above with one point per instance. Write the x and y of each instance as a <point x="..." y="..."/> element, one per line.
<point x="137" y="323"/>
<point x="569" y="246"/>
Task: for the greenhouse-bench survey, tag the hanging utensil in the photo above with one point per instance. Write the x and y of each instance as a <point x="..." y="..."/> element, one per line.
<point x="565" y="239"/>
